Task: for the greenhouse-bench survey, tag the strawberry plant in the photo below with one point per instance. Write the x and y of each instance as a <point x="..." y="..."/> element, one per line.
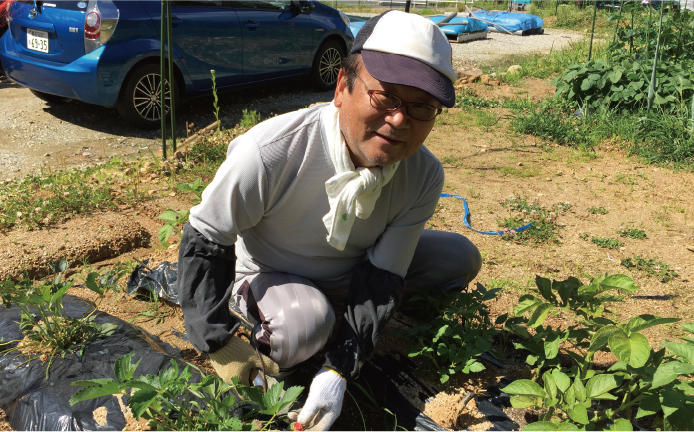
<point x="643" y="382"/>
<point x="453" y="340"/>
<point x="171" y="401"/>
<point x="52" y="332"/>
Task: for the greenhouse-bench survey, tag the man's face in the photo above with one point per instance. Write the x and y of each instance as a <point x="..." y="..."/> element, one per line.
<point x="375" y="137"/>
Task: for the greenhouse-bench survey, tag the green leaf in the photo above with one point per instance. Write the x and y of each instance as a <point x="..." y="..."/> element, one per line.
<point x="561" y="379"/>
<point x="685" y="351"/>
<point x="104" y="387"/>
<point x="289" y="396"/>
<point x="643" y="322"/>
<point x="91" y="283"/>
<point x="527" y="302"/>
<point x="140" y="401"/>
<point x="169" y="216"/>
<point x="621" y="424"/>
<point x="579" y="389"/>
<point x="522" y="402"/>
<point x="272" y="397"/>
<point x="165" y="233"/>
<point x="671" y="400"/>
<point x="551" y="345"/>
<point x="615" y="75"/>
<point x="541" y="426"/>
<point x="689" y="327"/>
<point x="587" y="84"/>
<point x="550" y="385"/>
<point x="649" y="406"/>
<point x="669" y="371"/>
<point x="601" y="337"/>
<point x="545" y="287"/>
<point x="633" y="350"/>
<point x="540" y="315"/>
<point x="579" y="414"/>
<point x="124" y="369"/>
<point x="476" y="367"/>
<point x="524" y="387"/>
<point x="619" y="281"/>
<point x="600" y="384"/>
<point x="566" y="426"/>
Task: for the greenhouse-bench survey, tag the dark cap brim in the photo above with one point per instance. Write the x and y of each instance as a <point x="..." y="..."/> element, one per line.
<point x="398" y="69"/>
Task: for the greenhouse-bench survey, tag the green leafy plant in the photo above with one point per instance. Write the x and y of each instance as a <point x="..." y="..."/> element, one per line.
<point x="453" y="340"/>
<point x="108" y="281"/>
<point x="250" y="119"/>
<point x="52" y="333"/>
<point x="544" y="227"/>
<point x="468" y="99"/>
<point x="597" y="210"/>
<point x="175" y="218"/>
<point x="651" y="267"/>
<point x="604" y="242"/>
<point x="171" y="401"/>
<point x="632" y="233"/>
<point x="583" y="397"/>
<point x="154" y="310"/>
<point x="216" y="100"/>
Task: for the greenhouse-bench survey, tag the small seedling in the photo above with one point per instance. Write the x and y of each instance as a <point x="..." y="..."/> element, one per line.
<point x="597" y="210"/>
<point x="632" y="233"/>
<point x="544" y="227"/>
<point x="604" y="242"/>
<point x="250" y="119"/>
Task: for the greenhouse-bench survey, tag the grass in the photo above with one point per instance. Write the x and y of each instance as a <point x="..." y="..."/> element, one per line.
<point x="519" y="172"/>
<point x="41" y="201"/>
<point x="597" y="210"/>
<point x="651" y="267"/>
<point x="468" y="99"/>
<point x="544" y="228"/>
<point x="633" y="233"/>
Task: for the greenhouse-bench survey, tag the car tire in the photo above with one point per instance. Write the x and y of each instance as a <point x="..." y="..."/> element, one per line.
<point x="50" y="98"/>
<point x="139" y="102"/>
<point x="326" y="65"/>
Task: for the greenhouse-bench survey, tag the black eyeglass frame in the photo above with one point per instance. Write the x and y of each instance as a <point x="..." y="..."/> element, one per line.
<point x="371" y="92"/>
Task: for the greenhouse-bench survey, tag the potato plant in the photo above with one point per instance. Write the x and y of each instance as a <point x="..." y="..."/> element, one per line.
<point x="643" y="382"/>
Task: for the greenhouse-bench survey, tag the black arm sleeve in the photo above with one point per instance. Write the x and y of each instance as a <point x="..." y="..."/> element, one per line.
<point x="205" y="280"/>
<point x="374" y="294"/>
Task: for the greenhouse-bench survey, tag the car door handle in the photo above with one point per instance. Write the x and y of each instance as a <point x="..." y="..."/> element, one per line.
<point x="252" y="24"/>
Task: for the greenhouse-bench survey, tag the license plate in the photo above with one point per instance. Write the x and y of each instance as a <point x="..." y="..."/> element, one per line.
<point x="37" y="40"/>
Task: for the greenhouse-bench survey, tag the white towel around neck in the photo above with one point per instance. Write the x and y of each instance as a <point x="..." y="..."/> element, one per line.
<point x="351" y="192"/>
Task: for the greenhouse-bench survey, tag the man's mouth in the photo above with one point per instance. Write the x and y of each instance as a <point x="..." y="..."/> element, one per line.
<point x="387" y="139"/>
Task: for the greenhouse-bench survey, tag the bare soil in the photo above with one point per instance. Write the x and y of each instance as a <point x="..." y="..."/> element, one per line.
<point x="489" y="165"/>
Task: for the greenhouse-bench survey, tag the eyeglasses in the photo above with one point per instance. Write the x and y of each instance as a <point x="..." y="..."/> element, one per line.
<point x="385" y="101"/>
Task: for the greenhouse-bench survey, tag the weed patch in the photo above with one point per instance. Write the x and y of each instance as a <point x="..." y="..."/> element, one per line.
<point x="604" y="242"/>
<point x="544" y="227"/>
<point x="597" y="210"/>
<point x="651" y="267"/>
<point x="632" y="233"/>
<point x="468" y="99"/>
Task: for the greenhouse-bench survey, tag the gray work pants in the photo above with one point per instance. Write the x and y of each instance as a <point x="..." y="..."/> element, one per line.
<point x="294" y="316"/>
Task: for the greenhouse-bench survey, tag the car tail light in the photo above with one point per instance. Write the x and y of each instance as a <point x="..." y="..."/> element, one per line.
<point x="99" y="23"/>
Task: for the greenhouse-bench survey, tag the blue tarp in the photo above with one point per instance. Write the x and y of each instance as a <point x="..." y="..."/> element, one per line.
<point x="356" y="23"/>
<point x="467" y="25"/>
<point x="511" y="21"/>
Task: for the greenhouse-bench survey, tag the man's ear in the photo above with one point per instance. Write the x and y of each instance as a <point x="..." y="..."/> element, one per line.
<point x="340" y="88"/>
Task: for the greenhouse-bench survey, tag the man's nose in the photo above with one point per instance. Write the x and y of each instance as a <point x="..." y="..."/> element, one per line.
<point x="398" y="118"/>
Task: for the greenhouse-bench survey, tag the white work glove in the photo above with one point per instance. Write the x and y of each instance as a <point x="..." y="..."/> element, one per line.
<point x="324" y="401"/>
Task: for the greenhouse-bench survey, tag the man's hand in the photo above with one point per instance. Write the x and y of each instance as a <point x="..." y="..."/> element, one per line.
<point x="238" y="358"/>
<point x="324" y="401"/>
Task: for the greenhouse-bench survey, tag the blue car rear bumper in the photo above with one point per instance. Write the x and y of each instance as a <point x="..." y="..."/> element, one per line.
<point x="76" y="80"/>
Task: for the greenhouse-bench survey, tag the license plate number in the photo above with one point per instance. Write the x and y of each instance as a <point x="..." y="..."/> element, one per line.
<point x="37" y="40"/>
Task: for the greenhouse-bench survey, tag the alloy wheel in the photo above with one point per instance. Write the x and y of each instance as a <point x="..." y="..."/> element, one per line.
<point x="147" y="97"/>
<point x="330" y="63"/>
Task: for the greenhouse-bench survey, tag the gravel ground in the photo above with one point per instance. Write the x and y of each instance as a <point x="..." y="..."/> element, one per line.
<point x="36" y="136"/>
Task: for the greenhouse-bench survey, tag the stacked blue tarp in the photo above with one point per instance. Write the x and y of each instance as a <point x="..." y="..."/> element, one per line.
<point x="512" y="21"/>
<point x="465" y="25"/>
<point x="356" y="23"/>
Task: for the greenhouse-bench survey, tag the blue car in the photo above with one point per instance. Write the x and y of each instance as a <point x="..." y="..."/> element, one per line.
<point x="106" y="52"/>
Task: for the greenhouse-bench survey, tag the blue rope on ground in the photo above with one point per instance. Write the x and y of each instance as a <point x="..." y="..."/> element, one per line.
<point x="466" y="219"/>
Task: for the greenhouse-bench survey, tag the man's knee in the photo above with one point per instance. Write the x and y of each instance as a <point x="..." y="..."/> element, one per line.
<point x="294" y="319"/>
